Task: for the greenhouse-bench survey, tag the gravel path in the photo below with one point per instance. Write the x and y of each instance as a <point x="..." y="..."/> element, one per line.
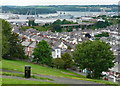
<point x="56" y="79"/>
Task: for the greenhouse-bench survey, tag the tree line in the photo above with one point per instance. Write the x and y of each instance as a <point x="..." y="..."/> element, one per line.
<point x="27" y="10"/>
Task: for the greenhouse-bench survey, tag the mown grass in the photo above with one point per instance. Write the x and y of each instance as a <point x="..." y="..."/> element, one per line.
<point x="22" y="75"/>
<point x="27" y="82"/>
<point x="101" y="81"/>
<point x="0" y="81"/>
<point x="20" y="81"/>
<point x="37" y="69"/>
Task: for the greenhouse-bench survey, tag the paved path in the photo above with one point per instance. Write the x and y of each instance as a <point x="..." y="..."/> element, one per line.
<point x="84" y="74"/>
<point x="56" y="79"/>
<point x="32" y="79"/>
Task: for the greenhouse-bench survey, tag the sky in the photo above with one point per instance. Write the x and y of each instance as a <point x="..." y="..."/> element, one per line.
<point x="57" y="2"/>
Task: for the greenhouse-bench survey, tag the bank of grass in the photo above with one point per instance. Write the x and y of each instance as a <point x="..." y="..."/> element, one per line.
<point x="0" y="81"/>
<point x="101" y="81"/>
<point x="22" y="75"/>
<point x="37" y="69"/>
<point x="20" y="81"/>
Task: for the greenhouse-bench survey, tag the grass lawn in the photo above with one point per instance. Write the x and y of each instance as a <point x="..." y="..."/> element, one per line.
<point x="0" y="81"/>
<point x="22" y="75"/>
<point x="38" y="69"/>
<point x="20" y="81"/>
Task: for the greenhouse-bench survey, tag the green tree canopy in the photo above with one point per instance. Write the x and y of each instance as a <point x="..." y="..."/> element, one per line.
<point x="16" y="49"/>
<point x="11" y="46"/>
<point x="103" y="34"/>
<point x="58" y="63"/>
<point x="101" y="24"/>
<point x="67" y="59"/>
<point x="42" y="54"/>
<point x="57" y="28"/>
<point x="95" y="56"/>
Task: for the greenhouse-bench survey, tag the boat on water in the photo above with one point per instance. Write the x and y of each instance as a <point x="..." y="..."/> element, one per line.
<point x="57" y="16"/>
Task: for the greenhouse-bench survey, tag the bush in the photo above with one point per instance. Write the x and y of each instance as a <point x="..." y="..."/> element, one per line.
<point x="68" y="60"/>
<point x="103" y="34"/>
<point x="58" y="63"/>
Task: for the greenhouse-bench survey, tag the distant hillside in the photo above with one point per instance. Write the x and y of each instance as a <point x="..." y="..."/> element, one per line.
<point x="54" y="8"/>
<point x="27" y="10"/>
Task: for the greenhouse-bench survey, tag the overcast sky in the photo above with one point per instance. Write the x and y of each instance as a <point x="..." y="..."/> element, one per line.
<point x="57" y="2"/>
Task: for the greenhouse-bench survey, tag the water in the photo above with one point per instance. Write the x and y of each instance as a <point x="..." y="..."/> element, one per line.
<point x="23" y="18"/>
<point x="74" y="13"/>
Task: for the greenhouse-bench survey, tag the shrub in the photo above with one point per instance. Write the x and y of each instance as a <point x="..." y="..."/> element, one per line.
<point x="58" y="63"/>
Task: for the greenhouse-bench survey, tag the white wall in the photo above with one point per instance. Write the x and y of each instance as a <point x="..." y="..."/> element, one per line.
<point x="56" y="53"/>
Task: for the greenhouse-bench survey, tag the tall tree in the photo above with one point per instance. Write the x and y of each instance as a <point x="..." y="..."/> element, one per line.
<point x="6" y="31"/>
<point x="42" y="54"/>
<point x="5" y="45"/>
<point x="95" y="56"/>
<point x="67" y="60"/>
<point x="11" y="46"/>
<point x="16" y="49"/>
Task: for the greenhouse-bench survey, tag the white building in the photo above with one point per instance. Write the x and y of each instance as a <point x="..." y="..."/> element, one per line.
<point x="62" y="45"/>
<point x="56" y="53"/>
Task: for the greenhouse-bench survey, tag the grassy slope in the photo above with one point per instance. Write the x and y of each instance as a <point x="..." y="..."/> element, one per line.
<point x="20" y="81"/>
<point x="22" y="75"/>
<point x="37" y="69"/>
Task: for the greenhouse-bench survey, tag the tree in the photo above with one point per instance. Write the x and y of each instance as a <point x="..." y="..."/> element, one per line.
<point x="5" y="45"/>
<point x="95" y="56"/>
<point x="6" y="30"/>
<point x="67" y="59"/>
<point x="83" y="27"/>
<point x="11" y="46"/>
<point x="103" y="34"/>
<point x="16" y="49"/>
<point x="57" y="28"/>
<point x="58" y="63"/>
<point x="57" y="22"/>
<point x="42" y="54"/>
<point x="70" y="29"/>
<point x="69" y="48"/>
<point x="101" y="24"/>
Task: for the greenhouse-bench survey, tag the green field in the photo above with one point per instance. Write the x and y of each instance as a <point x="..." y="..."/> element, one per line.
<point x="38" y="69"/>
<point x="19" y="81"/>
<point x="22" y="75"/>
